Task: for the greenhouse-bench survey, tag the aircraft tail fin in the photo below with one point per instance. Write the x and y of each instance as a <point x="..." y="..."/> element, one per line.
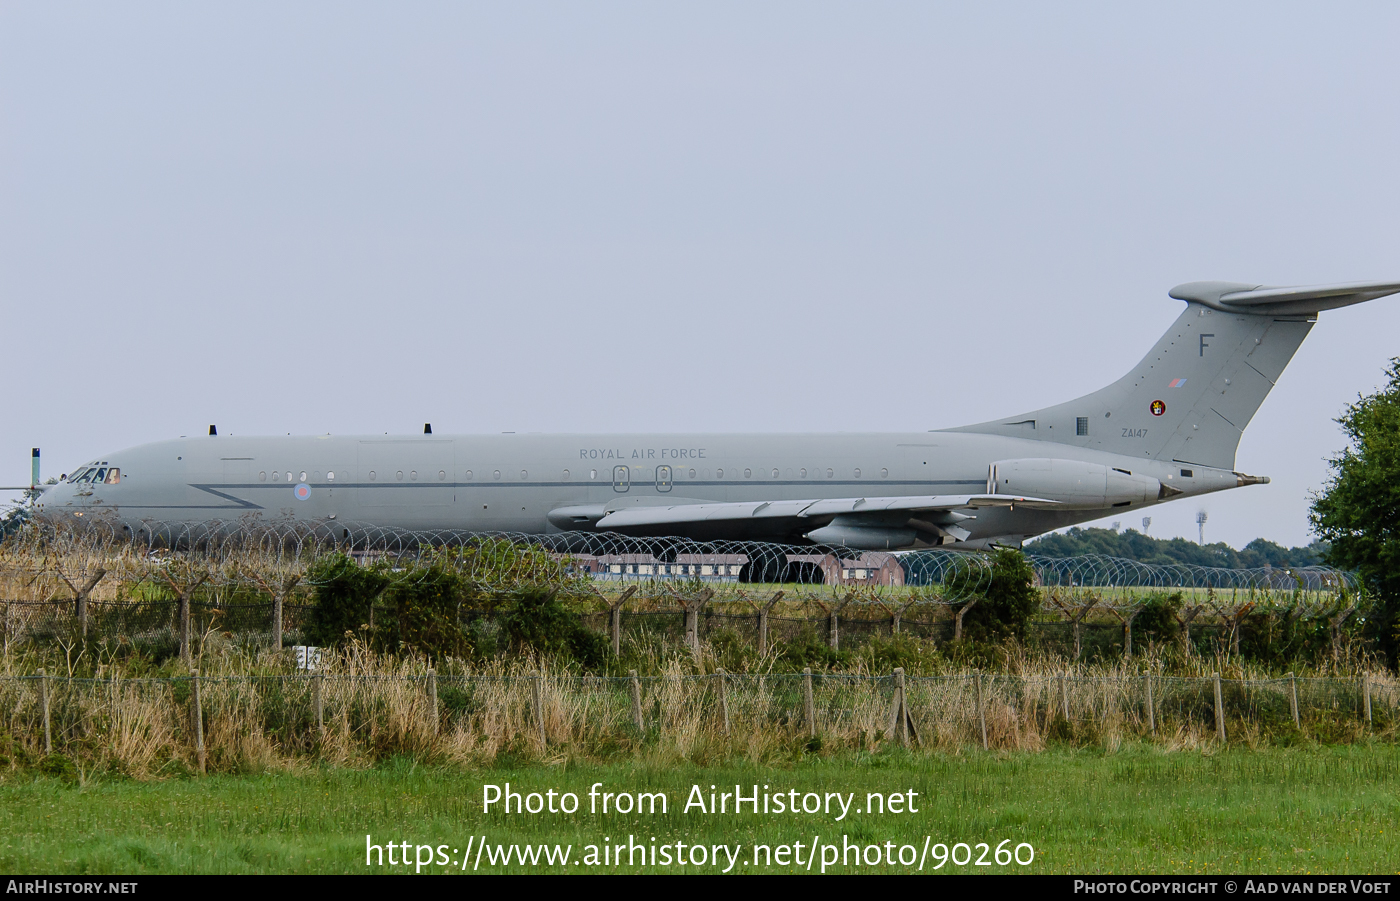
<point x="1191" y="397"/>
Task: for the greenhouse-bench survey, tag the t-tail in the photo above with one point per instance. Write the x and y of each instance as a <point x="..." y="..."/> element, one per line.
<point x="1191" y="397"/>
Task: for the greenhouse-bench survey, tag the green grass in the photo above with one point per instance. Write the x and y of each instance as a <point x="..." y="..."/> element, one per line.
<point x="1139" y="810"/>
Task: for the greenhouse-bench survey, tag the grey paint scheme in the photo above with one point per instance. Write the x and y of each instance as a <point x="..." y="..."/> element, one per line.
<point x="1224" y="353"/>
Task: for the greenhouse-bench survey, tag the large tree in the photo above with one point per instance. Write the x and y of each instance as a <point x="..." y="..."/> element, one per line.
<point x="1359" y="510"/>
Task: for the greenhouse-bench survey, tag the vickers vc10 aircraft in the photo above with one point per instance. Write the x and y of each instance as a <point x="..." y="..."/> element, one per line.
<point x="1166" y="430"/>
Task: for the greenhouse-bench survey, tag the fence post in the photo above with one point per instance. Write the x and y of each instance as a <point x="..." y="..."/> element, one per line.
<point x="723" y="699"/>
<point x="539" y="711"/>
<point x="981" y="711"/>
<point x="1219" y="710"/>
<point x="198" y="721"/>
<point x="763" y="623"/>
<point x="184" y="628"/>
<point x="1064" y="698"/>
<point x="809" y="707"/>
<point x="432" y="699"/>
<point x="320" y="709"/>
<point x="615" y="620"/>
<point x="899" y="727"/>
<point x="692" y="620"/>
<point x="957" y="620"/>
<point x="44" y="705"/>
<point x="1366" y="696"/>
<point x="635" y="687"/>
<point x="1151" y="709"/>
<point x="1293" y="700"/>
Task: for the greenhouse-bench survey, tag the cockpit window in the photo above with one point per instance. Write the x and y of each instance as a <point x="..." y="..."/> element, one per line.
<point x="114" y="475"/>
<point x="100" y="477"/>
<point x="83" y="476"/>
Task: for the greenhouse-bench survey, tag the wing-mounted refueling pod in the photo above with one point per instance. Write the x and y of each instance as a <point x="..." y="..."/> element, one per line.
<point x="1076" y="484"/>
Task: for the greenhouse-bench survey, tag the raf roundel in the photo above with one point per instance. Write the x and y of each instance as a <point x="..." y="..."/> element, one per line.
<point x="302" y="491"/>
<point x="1158" y="407"/>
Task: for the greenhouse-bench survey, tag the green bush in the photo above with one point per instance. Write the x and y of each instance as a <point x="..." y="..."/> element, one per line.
<point x="1006" y="603"/>
<point x="1157" y="619"/>
<point x="422" y="613"/>
<point x="342" y="592"/>
<point x="532" y="618"/>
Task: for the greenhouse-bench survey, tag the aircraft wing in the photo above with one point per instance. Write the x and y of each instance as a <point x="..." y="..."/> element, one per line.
<point x="815" y="511"/>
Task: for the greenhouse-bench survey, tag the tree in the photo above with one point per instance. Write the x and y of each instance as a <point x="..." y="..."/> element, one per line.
<point x="1359" y="509"/>
<point x="1008" y="601"/>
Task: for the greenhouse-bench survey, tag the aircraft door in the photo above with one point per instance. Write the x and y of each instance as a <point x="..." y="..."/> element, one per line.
<point x="621" y="479"/>
<point x="663" y="478"/>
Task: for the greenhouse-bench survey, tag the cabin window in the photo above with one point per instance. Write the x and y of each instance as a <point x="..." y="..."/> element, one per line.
<point x="593" y="473"/>
<point x="775" y="473"/>
<point x="82" y="476"/>
<point x="100" y="477"/>
<point x="566" y="475"/>
<point x="468" y="474"/>
<point x="413" y="475"/>
<point x="371" y="475"/>
<point x="748" y="473"/>
<point x="524" y="475"/>
<point x="303" y="476"/>
<point x="274" y="475"/>
<point x="262" y="476"/>
<point x="802" y="472"/>
<point x="330" y="477"/>
<point x="719" y="473"/>
<point x="829" y="474"/>
<point x="857" y="472"/>
<point x="692" y="473"/>
<point x="289" y="475"/>
<point x="399" y="475"/>
<point x="496" y="474"/>
<point x="442" y="475"/>
<point x="884" y="473"/>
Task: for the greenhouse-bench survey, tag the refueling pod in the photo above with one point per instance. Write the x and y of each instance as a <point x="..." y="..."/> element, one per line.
<point x="1075" y="483"/>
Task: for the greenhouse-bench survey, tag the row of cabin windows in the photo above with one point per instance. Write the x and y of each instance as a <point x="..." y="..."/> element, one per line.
<point x="398" y="476"/>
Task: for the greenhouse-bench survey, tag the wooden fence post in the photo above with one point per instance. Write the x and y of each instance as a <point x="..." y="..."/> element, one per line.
<point x="1151" y="708"/>
<point x="316" y="689"/>
<point x="834" y="624"/>
<point x="1064" y="698"/>
<point x="635" y="687"/>
<point x="198" y="721"/>
<point x="539" y="711"/>
<point x="898" y="718"/>
<point x="615" y="620"/>
<point x="763" y="622"/>
<point x="723" y="699"/>
<point x="1366" y="696"/>
<point x="809" y="707"/>
<point x="981" y="711"/>
<point x="432" y="700"/>
<point x="80" y="598"/>
<point x="44" y="705"/>
<point x="1219" y="710"/>
<point x="1293" y="700"/>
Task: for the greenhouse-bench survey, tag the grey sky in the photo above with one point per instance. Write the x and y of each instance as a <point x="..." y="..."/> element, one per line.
<point x="346" y="218"/>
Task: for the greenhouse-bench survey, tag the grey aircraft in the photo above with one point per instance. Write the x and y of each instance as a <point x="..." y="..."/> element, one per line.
<point x="1166" y="430"/>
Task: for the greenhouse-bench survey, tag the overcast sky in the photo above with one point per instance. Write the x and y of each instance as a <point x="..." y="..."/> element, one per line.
<point x="347" y="218"/>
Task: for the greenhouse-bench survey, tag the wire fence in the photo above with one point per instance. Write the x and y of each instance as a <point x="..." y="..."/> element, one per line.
<point x="141" y="724"/>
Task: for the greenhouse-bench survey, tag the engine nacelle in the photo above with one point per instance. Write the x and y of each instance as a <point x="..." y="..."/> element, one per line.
<point x="1073" y="483"/>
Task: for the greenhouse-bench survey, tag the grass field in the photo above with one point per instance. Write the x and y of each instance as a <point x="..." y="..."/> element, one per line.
<point x="1140" y="810"/>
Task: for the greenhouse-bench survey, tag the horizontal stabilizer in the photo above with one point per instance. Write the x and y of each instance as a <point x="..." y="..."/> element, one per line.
<point x="1236" y="297"/>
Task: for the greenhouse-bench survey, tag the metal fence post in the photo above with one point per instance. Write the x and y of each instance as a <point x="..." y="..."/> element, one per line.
<point x="981" y="711"/>
<point x="635" y="687"/>
<point x="1293" y="700"/>
<point x="809" y="707"/>
<point x="1219" y="710"/>
<point x="316" y="688"/>
<point x="723" y="699"/>
<point x="44" y="705"/>
<point x="432" y="700"/>
<point x="198" y="721"/>
<point x="1151" y="708"/>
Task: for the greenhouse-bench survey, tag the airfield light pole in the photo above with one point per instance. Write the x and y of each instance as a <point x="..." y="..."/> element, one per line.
<point x="1201" y="527"/>
<point x="1146" y="524"/>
